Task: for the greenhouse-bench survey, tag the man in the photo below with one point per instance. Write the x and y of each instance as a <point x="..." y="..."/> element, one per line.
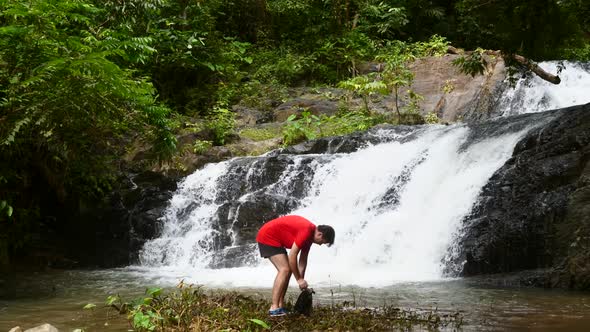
<point x="298" y="234"/>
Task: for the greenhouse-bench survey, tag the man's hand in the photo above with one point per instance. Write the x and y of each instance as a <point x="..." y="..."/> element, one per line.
<point x="302" y="283"/>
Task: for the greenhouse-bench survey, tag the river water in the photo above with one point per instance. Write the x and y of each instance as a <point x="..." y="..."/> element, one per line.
<point x="59" y="296"/>
<point x="396" y="206"/>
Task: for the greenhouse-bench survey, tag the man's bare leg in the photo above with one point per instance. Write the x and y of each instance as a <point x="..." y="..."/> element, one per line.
<point x="281" y="283"/>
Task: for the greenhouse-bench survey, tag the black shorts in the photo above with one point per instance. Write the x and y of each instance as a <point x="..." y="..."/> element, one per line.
<point x="267" y="251"/>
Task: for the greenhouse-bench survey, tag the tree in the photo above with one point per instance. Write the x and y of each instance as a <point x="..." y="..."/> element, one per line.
<point x="365" y="86"/>
<point x="65" y="103"/>
<point x="396" y="74"/>
<point x="536" y="29"/>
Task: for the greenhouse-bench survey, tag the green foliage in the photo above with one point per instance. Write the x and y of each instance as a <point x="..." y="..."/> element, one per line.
<point x="200" y="146"/>
<point x="63" y="92"/>
<point x="262" y="95"/>
<point x="5" y="206"/>
<point x="413" y="105"/>
<point x="431" y="118"/>
<point x="397" y="74"/>
<point x="365" y="86"/>
<point x="381" y="19"/>
<point x="581" y="53"/>
<point x="448" y="87"/>
<point x="189" y="305"/>
<point x="346" y="122"/>
<point x="189" y="309"/>
<point x="281" y="65"/>
<point x="142" y="313"/>
<point x="259" y="134"/>
<point x="435" y="46"/>
<point x="340" y="55"/>
<point x="221" y="122"/>
<point x="66" y="104"/>
<point x="309" y="126"/>
<point x="89" y="306"/>
<point x="260" y="323"/>
<point x="472" y="64"/>
<point x="532" y="28"/>
<point x="301" y="129"/>
<point x="189" y="51"/>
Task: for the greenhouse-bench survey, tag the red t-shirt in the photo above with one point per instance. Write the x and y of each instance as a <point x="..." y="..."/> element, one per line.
<point x="284" y="231"/>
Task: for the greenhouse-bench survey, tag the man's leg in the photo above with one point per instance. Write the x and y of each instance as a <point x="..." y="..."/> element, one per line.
<point x="279" y="288"/>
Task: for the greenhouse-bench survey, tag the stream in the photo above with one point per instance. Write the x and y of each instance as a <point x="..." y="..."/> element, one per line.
<point x="58" y="297"/>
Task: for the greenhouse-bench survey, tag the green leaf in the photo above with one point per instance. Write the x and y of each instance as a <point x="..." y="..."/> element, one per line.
<point x="209" y="65"/>
<point x="9" y="211"/>
<point x="154" y="291"/>
<point x="89" y="306"/>
<point x="112" y="299"/>
<point x="259" y="322"/>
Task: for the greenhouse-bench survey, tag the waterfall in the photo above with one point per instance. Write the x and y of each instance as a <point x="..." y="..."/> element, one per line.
<point x="532" y="94"/>
<point x="397" y="201"/>
<point x="395" y="206"/>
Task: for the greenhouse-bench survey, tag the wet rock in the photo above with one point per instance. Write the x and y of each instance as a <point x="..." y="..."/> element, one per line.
<point x="353" y="142"/>
<point x="43" y="328"/>
<point x="251" y="116"/>
<point x="533" y="213"/>
<point x="321" y="102"/>
<point x="242" y="255"/>
<point x="109" y="233"/>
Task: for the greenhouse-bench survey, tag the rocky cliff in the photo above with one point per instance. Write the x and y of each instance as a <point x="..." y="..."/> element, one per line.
<point x="534" y="213"/>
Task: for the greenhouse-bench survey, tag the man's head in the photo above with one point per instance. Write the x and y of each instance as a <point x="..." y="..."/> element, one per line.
<point x="324" y="234"/>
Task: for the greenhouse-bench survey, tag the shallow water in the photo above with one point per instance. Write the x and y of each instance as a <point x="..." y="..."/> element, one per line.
<point x="58" y="298"/>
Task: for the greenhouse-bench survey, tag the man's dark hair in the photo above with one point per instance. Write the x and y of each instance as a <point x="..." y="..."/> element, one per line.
<point x="327" y="233"/>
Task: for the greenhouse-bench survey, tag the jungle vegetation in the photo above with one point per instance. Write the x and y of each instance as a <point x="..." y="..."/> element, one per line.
<point x="80" y="80"/>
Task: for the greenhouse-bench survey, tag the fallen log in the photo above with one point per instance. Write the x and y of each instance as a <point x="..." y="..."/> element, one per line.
<point x="532" y="66"/>
<point x="521" y="60"/>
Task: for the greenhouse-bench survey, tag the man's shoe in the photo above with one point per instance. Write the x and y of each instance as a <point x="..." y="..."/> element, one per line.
<point x="277" y="312"/>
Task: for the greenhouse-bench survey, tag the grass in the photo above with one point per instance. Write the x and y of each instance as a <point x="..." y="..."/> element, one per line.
<point x="189" y="308"/>
<point x="261" y="134"/>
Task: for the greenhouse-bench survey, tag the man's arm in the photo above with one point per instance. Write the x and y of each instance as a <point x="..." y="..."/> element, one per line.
<point x="303" y="262"/>
<point x="293" y="266"/>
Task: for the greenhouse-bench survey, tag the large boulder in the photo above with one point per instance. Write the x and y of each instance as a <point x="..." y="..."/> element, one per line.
<point x="533" y="213"/>
<point x="453" y="95"/>
<point x="447" y="92"/>
<point x="326" y="101"/>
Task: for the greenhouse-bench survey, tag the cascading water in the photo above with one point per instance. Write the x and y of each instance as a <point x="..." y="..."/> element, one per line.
<point x="533" y="94"/>
<point x="396" y="204"/>
<point x="395" y="207"/>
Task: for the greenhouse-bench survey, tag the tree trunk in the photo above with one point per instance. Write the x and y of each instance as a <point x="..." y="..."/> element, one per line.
<point x="527" y="63"/>
<point x="532" y="66"/>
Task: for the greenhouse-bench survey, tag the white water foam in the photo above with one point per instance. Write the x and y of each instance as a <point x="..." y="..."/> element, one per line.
<point x="533" y="94"/>
<point x="186" y="241"/>
<point x="378" y="241"/>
